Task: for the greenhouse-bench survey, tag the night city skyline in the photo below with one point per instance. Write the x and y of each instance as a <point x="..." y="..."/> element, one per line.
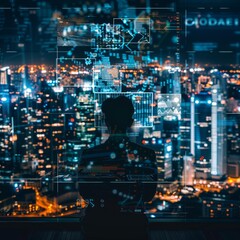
<point x="177" y="61"/>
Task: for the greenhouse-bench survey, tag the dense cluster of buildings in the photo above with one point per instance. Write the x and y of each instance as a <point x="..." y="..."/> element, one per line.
<point x="187" y="113"/>
<point x="46" y="122"/>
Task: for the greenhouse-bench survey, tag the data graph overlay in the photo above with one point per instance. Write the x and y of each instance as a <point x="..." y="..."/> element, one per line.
<point x="142" y="102"/>
<point x="169" y="105"/>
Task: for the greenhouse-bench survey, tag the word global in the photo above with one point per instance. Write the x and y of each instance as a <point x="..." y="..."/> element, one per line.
<point x="209" y="21"/>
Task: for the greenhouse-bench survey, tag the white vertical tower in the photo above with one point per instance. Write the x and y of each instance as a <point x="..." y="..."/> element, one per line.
<point x="214" y="130"/>
<point x="192" y="148"/>
<point x="218" y="151"/>
<point x="188" y="171"/>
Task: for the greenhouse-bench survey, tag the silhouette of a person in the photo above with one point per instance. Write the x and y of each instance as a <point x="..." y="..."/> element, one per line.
<point x="117" y="176"/>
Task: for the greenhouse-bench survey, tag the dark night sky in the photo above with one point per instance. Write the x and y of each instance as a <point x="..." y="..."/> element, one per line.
<point x="37" y="32"/>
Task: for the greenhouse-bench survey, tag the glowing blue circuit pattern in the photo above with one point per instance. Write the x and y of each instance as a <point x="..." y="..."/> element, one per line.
<point x="133" y="30"/>
<point x="106" y="36"/>
<point x="120" y="33"/>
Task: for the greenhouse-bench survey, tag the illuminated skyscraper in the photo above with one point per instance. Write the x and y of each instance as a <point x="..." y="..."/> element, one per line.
<point x="188" y="170"/>
<point x="4" y="78"/>
<point x="185" y="126"/>
<point x="208" y="141"/>
<point x="201" y="105"/>
<point x="19" y="137"/>
<point x="219" y="140"/>
<point x="163" y="151"/>
<point x="79" y="126"/>
<point x="233" y="129"/>
<point x="6" y="161"/>
<point x="171" y="130"/>
<point x="170" y="82"/>
<point x="48" y="128"/>
<point x="85" y="121"/>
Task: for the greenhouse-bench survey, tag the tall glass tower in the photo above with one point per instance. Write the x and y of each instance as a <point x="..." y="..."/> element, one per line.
<point x="201" y="133"/>
<point x="208" y="138"/>
<point x="218" y="131"/>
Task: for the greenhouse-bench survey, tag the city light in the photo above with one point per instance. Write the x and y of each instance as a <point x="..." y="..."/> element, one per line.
<point x="214" y="90"/>
<point x="180" y="142"/>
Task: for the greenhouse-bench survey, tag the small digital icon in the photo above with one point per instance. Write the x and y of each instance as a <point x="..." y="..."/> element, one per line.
<point x="88" y="61"/>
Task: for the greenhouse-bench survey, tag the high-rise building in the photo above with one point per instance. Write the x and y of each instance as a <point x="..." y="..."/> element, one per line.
<point x="208" y="141"/>
<point x="4" y="78"/>
<point x="188" y="173"/>
<point x="19" y="125"/>
<point x="171" y="130"/>
<point x="218" y="131"/>
<point x="85" y="126"/>
<point x="80" y="129"/>
<point x="6" y="161"/>
<point x="48" y="128"/>
<point x="163" y="151"/>
<point x="170" y="82"/>
<point x="201" y="133"/>
<point x="185" y="125"/>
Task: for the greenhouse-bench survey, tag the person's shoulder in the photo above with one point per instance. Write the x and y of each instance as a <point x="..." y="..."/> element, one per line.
<point x="142" y="148"/>
<point x="97" y="149"/>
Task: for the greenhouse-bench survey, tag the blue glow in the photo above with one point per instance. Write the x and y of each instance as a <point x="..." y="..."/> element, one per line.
<point x="113" y="155"/>
<point x="169" y="148"/>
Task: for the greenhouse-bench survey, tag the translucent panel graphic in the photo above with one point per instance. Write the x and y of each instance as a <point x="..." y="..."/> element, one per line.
<point x="106" y="78"/>
<point x="106" y="36"/>
<point x="137" y="80"/>
<point x="169" y="105"/>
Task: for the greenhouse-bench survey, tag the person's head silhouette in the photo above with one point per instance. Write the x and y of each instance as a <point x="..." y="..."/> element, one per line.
<point x="118" y="114"/>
